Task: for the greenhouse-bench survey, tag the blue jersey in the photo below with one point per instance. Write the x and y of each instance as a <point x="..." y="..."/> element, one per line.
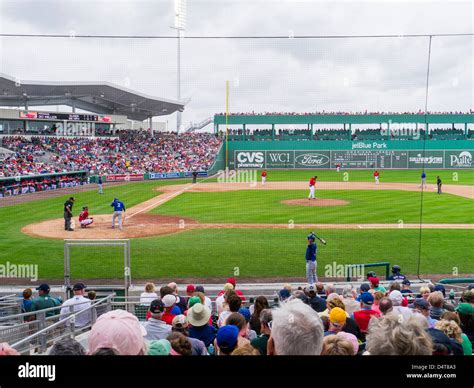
<point x="100" y="181"/>
<point x="423" y="175"/>
<point x="311" y="252"/>
<point x="118" y="206"/>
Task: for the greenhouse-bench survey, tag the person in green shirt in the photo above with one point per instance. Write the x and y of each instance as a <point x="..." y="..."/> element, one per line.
<point x="45" y="301"/>
<point x="374" y="283"/>
<point x="260" y="343"/>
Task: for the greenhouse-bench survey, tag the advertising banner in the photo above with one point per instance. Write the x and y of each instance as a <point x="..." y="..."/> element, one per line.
<point x="124" y="177"/>
<point x="249" y="159"/>
<point x="458" y="159"/>
<point x="188" y="174"/>
<point x="279" y="159"/>
<point x="428" y="159"/>
<point x="312" y="159"/>
<point x="163" y="175"/>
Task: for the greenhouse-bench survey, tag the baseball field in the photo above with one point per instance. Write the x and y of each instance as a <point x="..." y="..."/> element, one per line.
<point x="213" y="229"/>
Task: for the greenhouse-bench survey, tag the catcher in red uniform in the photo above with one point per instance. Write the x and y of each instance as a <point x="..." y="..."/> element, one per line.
<point x="84" y="218"/>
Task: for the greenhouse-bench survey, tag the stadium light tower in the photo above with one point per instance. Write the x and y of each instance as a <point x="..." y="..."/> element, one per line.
<point x="179" y="25"/>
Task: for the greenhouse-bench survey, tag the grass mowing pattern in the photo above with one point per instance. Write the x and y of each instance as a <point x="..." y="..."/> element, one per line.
<point x="366" y="206"/>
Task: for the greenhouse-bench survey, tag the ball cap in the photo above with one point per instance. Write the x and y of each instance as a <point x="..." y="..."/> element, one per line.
<point x="246" y="313"/>
<point x="190" y="288"/>
<point x="465" y="309"/>
<point x="169" y="300"/>
<point x="375" y="281"/>
<point x="311" y="236"/>
<point x="421" y="303"/>
<point x="227" y="338"/>
<point x="43" y="287"/>
<point x="338" y="316"/>
<point x="367" y="298"/>
<point x="231" y="281"/>
<point x="364" y="287"/>
<point x="79" y="286"/>
<point x="157" y="307"/>
<point x="119" y="330"/>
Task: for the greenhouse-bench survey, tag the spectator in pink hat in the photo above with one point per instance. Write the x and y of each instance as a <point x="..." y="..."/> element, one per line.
<point x="118" y="330"/>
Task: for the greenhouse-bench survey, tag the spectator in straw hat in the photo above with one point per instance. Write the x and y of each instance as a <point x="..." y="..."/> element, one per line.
<point x="198" y="318"/>
<point x="181" y="325"/>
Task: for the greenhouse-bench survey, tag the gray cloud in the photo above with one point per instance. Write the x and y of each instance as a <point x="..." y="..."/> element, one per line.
<point x="267" y="74"/>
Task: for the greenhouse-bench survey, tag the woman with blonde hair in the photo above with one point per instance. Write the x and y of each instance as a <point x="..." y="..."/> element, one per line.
<point x="425" y="292"/>
<point x="149" y="295"/>
<point x="452" y="330"/>
<point x="335" y="345"/>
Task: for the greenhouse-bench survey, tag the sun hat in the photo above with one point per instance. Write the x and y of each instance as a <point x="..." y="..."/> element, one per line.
<point x="199" y="315"/>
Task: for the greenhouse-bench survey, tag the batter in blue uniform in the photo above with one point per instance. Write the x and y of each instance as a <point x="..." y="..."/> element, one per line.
<point x="119" y="208"/>
<point x="311" y="249"/>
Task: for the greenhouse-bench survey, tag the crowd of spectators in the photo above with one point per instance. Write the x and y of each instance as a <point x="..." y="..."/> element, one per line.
<point x="344" y="113"/>
<point x="314" y="320"/>
<point x="134" y="152"/>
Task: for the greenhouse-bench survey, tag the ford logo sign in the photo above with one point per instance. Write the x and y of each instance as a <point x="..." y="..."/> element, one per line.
<point x="312" y="160"/>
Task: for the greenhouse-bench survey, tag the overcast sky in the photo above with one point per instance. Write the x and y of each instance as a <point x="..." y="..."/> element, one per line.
<point x="265" y="75"/>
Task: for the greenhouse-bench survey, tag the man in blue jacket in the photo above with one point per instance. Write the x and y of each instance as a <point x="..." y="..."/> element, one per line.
<point x="119" y="208"/>
<point x="311" y="249"/>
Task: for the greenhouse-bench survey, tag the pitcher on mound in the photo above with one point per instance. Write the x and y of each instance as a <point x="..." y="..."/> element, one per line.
<point x="312" y="187"/>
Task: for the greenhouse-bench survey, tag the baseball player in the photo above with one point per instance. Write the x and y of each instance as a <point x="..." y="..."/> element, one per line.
<point x="99" y="183"/>
<point x="439" y="183"/>
<point x="84" y="219"/>
<point x="311" y="265"/>
<point x="119" y="208"/>
<point x="423" y="179"/>
<point x="264" y="177"/>
<point x="338" y="167"/>
<point x="376" y="176"/>
<point x="312" y="188"/>
<point x="68" y="214"/>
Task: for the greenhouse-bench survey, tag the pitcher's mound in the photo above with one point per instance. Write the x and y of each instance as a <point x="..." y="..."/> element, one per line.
<point x="140" y="225"/>
<point x="315" y="202"/>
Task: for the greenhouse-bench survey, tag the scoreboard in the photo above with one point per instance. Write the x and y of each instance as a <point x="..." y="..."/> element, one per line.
<point x="63" y="116"/>
<point x="369" y="159"/>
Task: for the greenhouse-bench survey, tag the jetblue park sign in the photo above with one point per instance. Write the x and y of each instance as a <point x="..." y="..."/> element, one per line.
<point x="371" y="157"/>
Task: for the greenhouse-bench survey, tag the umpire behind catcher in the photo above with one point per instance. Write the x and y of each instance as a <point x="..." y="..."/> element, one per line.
<point x="311" y="249"/>
<point x="68" y="213"/>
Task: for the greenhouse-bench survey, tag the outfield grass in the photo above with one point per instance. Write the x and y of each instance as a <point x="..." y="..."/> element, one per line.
<point x="255" y="253"/>
<point x="366" y="206"/>
<point x="451" y="177"/>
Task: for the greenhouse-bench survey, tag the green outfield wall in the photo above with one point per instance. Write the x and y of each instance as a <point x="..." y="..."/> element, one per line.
<point x="400" y="154"/>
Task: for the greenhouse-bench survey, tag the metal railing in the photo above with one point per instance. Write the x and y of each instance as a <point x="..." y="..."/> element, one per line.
<point x="34" y="332"/>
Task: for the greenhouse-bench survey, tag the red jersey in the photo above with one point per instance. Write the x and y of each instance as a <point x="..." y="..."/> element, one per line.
<point x="312" y="182"/>
<point x="84" y="215"/>
<point x="376" y="173"/>
<point x="264" y="174"/>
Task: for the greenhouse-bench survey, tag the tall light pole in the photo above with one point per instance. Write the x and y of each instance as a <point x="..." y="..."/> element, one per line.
<point x="179" y="25"/>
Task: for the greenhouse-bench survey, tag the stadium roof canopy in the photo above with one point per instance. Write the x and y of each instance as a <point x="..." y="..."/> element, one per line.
<point x="102" y="98"/>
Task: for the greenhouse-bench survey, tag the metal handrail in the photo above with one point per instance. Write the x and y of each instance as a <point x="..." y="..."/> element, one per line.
<point x="8" y="296"/>
<point x="70" y="318"/>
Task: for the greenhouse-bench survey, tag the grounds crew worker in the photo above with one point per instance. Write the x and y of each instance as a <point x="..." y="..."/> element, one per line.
<point x="119" y="207"/>
<point x="68" y="213"/>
